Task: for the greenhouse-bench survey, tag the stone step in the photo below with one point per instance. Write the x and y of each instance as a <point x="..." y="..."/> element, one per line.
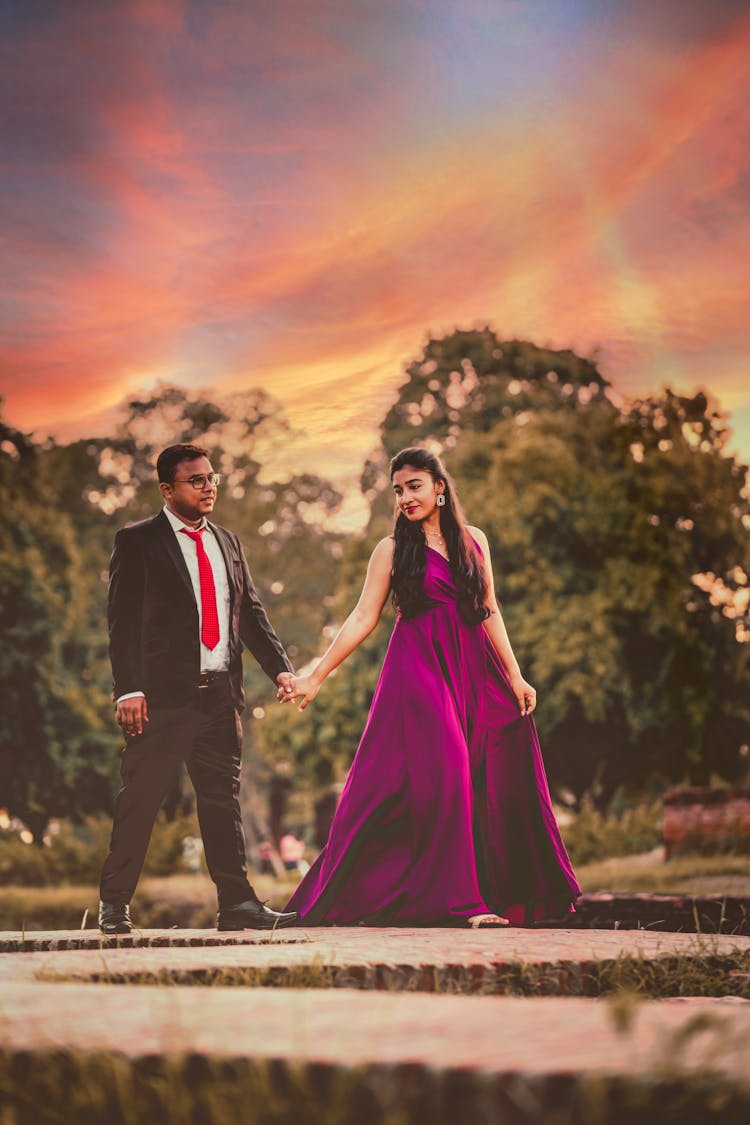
<point x="102" y="1052"/>
<point x="674" y="912"/>
<point x="546" y="962"/>
<point x="40" y="941"/>
<point x="534" y="941"/>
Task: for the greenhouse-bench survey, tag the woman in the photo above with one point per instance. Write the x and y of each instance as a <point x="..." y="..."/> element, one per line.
<point x="445" y="817"/>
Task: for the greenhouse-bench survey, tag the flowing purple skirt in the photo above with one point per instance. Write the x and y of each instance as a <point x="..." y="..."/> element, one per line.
<point x="446" y="810"/>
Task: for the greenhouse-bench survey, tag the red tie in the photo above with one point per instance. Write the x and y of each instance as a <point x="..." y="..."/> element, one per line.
<point x="209" y="614"/>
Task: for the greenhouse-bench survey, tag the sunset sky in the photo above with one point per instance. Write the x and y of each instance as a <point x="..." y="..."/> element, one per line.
<point x="229" y="194"/>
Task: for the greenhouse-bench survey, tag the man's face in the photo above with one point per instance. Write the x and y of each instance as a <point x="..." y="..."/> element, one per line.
<point x="187" y="502"/>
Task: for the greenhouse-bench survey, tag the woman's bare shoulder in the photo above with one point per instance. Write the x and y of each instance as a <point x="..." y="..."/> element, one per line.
<point x="383" y="550"/>
<point x="479" y="535"/>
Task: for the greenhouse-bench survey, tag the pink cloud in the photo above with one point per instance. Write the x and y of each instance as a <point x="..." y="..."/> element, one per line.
<point x="270" y="207"/>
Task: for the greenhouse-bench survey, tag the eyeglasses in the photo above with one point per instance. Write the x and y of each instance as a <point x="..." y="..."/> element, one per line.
<point x="200" y="480"/>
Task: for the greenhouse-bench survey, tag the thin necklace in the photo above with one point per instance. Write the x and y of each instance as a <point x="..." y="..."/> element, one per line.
<point x="434" y="537"/>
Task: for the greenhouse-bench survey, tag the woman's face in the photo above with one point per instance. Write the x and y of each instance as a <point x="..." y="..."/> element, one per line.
<point x="416" y="492"/>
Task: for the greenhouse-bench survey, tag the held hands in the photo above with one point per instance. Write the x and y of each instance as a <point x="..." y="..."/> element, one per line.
<point x="293" y="687"/>
<point x="305" y="688"/>
<point x="524" y="693"/>
<point x="286" y="681"/>
<point x="132" y="715"/>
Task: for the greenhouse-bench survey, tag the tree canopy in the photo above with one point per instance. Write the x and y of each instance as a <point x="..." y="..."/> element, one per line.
<point x="58" y="739"/>
<point x="54" y="737"/>
<point x="620" y="537"/>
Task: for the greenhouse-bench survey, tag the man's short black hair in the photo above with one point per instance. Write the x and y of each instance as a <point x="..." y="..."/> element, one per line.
<point x="171" y="457"/>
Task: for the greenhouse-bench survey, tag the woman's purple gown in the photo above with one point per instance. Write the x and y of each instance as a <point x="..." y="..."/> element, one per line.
<point x="446" y="810"/>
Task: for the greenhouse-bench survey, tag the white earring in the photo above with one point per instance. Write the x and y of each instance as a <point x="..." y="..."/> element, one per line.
<point x="440" y="499"/>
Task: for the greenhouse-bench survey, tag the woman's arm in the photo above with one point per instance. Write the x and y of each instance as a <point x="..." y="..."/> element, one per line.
<point x="494" y="626"/>
<point x="358" y="625"/>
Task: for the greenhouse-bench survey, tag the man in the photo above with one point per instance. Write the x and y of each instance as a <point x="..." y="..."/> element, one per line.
<point x="181" y="605"/>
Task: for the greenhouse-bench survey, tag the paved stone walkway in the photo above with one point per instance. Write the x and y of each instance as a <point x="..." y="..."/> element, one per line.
<point x="355" y="951"/>
<point x="480" y="1033"/>
<point x="401" y="1052"/>
<point x="150" y="951"/>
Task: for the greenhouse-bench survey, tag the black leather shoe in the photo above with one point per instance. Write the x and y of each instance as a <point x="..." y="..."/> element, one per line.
<point x="253" y="915"/>
<point x="114" y="918"/>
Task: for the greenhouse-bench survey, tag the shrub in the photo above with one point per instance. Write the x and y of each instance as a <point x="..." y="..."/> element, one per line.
<point x="592" y="835"/>
<point x="77" y="852"/>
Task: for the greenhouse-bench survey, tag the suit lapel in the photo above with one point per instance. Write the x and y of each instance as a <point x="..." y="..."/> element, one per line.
<point x="169" y="542"/>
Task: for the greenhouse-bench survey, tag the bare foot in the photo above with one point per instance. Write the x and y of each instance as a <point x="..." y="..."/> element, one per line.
<point x="485" y="921"/>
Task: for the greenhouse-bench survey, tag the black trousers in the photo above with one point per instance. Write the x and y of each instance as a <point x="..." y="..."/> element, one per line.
<point x="207" y="735"/>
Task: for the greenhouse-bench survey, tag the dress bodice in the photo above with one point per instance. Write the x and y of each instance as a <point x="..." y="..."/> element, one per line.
<point x="439" y="584"/>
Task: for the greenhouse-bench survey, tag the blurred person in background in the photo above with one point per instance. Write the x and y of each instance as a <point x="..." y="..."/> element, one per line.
<point x="265" y="857"/>
<point x="292" y="851"/>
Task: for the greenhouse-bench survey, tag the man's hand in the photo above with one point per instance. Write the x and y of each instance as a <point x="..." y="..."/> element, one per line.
<point x="305" y="688"/>
<point x="286" y="682"/>
<point x="132" y="715"/>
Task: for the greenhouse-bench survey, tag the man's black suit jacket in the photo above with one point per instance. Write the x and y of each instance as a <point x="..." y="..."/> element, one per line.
<point x="153" y="617"/>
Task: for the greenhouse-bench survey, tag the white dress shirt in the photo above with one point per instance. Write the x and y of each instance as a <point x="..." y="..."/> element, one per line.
<point x="212" y="659"/>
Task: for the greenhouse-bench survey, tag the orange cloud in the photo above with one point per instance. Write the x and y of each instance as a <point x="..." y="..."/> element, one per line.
<point x="292" y="217"/>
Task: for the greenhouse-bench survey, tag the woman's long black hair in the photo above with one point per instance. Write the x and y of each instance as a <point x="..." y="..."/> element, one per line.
<point x="410" y="553"/>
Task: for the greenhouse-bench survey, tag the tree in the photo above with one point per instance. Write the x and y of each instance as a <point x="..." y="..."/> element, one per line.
<point x="53" y="725"/>
<point x="619" y="533"/>
<point x="63" y="505"/>
<point x="467" y="382"/>
<point x="600" y="540"/>
<point x="283" y="524"/>
<point x="321" y="742"/>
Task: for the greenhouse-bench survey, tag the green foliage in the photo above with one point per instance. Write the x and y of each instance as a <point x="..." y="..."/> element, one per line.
<point x="598" y="558"/>
<point x="283" y="524"/>
<point x="74" y="857"/>
<point x="54" y="732"/>
<point x="322" y="740"/>
<point x="471" y="379"/>
<point x="58" y="740"/>
<point x="594" y="835"/>
<point x="75" y="854"/>
<point x="620" y="535"/>
<point x="466" y="382"/>
<point x="602" y="517"/>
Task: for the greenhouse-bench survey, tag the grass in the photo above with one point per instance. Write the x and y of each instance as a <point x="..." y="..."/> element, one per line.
<point x="690" y="874"/>
<point x="57" y="1087"/>
<point x="699" y="971"/>
<point x="187" y="901"/>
